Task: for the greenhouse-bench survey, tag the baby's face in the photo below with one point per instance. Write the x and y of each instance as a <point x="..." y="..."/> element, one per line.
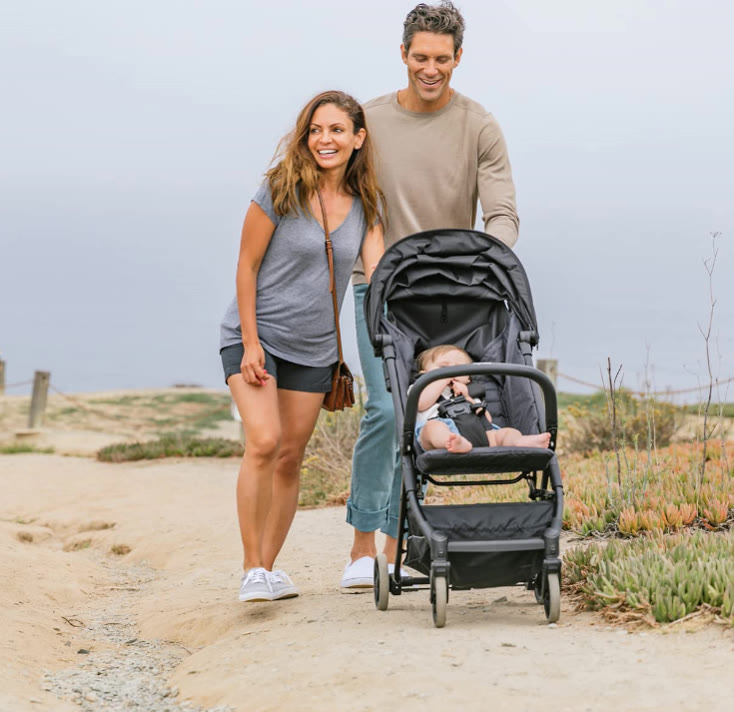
<point x="450" y="358"/>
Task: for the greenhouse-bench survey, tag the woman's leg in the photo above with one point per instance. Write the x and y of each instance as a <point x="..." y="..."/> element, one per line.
<point x="298" y="414"/>
<point x="258" y="407"/>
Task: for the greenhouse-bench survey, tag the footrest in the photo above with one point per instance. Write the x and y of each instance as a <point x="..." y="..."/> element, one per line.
<point x="484" y="460"/>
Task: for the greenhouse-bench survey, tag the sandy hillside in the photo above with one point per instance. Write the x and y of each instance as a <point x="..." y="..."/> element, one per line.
<point x="159" y="627"/>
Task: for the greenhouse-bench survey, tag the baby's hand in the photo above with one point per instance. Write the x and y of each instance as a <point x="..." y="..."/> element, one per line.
<point x="460" y="389"/>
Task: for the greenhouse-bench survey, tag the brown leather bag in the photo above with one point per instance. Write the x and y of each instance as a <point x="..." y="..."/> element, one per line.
<point x="341" y="395"/>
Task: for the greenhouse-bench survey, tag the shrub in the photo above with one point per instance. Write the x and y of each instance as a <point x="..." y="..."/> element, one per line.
<point x="327" y="465"/>
<point x="642" y="422"/>
<point x="171" y="446"/>
<point x="656" y="579"/>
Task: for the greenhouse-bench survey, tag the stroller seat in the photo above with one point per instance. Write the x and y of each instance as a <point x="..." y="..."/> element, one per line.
<point x="484" y="460"/>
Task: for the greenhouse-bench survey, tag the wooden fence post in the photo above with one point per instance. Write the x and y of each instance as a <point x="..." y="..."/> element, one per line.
<point x="549" y="366"/>
<point x="2" y="377"/>
<point x="38" y="399"/>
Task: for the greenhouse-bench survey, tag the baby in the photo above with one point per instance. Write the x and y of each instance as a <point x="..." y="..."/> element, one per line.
<point x="435" y="432"/>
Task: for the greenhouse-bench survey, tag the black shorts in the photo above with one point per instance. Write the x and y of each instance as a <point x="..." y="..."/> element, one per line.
<point x="288" y="376"/>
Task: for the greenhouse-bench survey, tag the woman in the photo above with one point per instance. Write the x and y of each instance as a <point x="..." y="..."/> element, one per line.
<point x="278" y="335"/>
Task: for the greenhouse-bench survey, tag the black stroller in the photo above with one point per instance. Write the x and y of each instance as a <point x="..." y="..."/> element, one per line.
<point x="467" y="288"/>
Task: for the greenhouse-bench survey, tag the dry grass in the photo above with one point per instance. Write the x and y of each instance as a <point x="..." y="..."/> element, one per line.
<point x="120" y="549"/>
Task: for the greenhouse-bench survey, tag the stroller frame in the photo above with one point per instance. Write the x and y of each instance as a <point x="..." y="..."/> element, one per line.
<point x="538" y="552"/>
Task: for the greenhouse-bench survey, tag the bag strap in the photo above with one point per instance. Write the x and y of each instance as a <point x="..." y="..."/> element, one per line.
<point x="332" y="279"/>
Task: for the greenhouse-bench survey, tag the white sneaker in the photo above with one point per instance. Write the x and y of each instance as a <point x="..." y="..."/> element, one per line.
<point x="255" y="586"/>
<point x="281" y="585"/>
<point x="358" y="574"/>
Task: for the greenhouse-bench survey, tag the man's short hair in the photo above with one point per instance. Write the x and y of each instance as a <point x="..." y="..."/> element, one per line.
<point x="442" y="19"/>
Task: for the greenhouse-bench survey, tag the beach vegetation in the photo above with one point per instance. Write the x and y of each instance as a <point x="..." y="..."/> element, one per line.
<point x="120" y="549"/>
<point x="23" y="448"/>
<point x="174" y="445"/>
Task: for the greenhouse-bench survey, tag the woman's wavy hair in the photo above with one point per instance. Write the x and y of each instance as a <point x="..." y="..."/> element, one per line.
<point x="296" y="176"/>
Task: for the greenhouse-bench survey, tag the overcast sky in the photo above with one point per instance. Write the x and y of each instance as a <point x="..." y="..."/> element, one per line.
<point x="133" y="135"/>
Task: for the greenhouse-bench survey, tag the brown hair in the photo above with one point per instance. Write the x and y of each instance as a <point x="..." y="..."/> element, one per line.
<point x="430" y="355"/>
<point x="441" y="19"/>
<point x="296" y="176"/>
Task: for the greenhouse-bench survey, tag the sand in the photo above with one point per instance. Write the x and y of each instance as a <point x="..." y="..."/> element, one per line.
<point x="174" y="592"/>
<point x="323" y="650"/>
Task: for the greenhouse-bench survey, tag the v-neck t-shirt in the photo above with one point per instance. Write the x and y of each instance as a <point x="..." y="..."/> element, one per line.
<point x="293" y="306"/>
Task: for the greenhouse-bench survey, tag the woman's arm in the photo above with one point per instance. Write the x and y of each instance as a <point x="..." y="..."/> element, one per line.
<point x="256" y="234"/>
<point x="373" y="248"/>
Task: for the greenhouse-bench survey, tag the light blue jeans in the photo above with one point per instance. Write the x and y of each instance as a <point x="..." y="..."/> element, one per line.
<point x="374" y="497"/>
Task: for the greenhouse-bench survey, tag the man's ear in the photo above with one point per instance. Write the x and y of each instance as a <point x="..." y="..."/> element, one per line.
<point x="404" y="53"/>
<point x="457" y="56"/>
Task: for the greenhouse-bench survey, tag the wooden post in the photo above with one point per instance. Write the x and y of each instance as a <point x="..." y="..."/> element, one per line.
<point x="38" y="399"/>
<point x="2" y="377"/>
<point x="549" y="366"/>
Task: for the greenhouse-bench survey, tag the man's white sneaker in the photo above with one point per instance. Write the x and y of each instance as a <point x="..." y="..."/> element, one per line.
<point x="358" y="574"/>
<point x="255" y="586"/>
<point x="281" y="585"/>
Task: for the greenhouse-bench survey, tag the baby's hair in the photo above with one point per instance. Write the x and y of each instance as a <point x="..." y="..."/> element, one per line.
<point x="429" y="355"/>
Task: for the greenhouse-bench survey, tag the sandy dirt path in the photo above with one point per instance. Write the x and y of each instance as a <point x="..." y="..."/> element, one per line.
<point x="176" y="592"/>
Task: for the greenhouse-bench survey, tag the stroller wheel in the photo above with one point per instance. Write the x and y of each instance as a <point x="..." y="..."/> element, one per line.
<point x="439" y="600"/>
<point x="381" y="583"/>
<point x="552" y="598"/>
<point x="537" y="586"/>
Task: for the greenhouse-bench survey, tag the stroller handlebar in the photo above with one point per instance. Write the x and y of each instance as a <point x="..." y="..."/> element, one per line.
<point x="482" y="369"/>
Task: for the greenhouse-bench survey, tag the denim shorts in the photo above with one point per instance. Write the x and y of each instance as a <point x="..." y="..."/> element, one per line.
<point x="449" y="422"/>
<point x="289" y="376"/>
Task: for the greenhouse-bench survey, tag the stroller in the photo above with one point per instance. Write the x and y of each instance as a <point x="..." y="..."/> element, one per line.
<point x="467" y="288"/>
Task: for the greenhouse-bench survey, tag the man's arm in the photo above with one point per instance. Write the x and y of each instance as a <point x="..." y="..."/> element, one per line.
<point x="494" y="184"/>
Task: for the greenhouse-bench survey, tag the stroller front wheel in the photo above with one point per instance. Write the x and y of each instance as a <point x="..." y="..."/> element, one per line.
<point x="439" y="600"/>
<point x="552" y="598"/>
<point x="381" y="582"/>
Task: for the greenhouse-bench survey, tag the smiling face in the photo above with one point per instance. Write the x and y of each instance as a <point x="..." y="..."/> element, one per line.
<point x="332" y="139"/>
<point x="431" y="62"/>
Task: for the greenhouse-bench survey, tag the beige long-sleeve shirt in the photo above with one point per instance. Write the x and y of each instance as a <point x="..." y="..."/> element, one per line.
<point x="433" y="167"/>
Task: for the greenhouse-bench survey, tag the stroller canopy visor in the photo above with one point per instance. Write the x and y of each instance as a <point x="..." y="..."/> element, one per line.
<point x="451" y="263"/>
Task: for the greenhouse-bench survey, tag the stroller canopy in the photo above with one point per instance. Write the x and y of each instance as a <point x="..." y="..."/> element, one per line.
<point x="449" y="263"/>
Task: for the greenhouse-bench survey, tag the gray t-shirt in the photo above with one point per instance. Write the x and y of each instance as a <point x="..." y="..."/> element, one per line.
<point x="293" y="306"/>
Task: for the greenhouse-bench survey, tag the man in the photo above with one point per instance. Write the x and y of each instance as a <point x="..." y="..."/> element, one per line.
<point x="438" y="152"/>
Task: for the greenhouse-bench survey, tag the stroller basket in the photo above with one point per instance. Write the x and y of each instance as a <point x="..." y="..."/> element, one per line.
<point x="521" y="523"/>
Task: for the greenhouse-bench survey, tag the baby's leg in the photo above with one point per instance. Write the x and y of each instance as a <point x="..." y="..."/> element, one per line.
<point x="436" y="435"/>
<point x="510" y="437"/>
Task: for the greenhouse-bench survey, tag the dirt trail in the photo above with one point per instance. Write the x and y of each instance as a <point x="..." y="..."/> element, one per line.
<point x="321" y="651"/>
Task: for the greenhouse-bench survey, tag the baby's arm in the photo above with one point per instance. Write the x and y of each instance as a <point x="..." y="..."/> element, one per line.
<point x="460" y="388"/>
<point x="429" y="395"/>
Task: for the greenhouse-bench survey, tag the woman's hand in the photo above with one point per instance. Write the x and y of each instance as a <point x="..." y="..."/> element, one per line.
<point x="253" y="366"/>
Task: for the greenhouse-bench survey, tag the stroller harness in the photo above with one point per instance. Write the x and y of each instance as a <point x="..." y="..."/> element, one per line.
<point x="470" y="418"/>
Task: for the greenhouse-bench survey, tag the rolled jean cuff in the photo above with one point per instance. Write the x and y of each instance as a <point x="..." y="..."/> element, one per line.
<point x="367" y="521"/>
<point x="391" y="528"/>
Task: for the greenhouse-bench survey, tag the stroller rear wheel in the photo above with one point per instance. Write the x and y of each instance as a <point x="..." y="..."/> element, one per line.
<point x="381" y="582"/>
<point x="552" y="597"/>
<point x="439" y="600"/>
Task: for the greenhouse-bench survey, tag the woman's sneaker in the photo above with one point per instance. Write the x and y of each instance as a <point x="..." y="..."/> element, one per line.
<point x="281" y="585"/>
<point x="255" y="585"/>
